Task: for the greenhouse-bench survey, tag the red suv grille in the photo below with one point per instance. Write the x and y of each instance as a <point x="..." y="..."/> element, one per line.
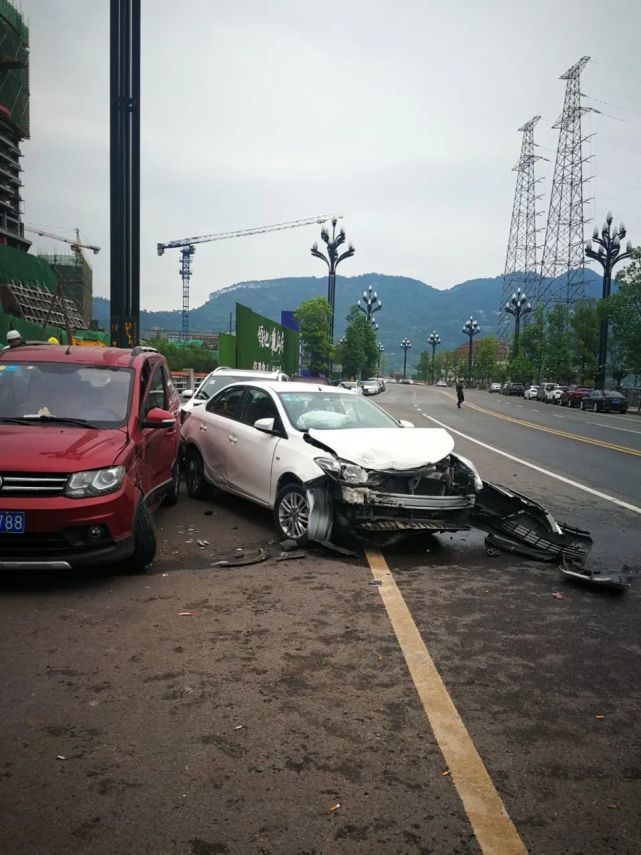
<point x="31" y="484"/>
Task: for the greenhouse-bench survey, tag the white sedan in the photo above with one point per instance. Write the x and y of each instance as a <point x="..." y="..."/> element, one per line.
<point x="322" y="458"/>
<point x="530" y="393"/>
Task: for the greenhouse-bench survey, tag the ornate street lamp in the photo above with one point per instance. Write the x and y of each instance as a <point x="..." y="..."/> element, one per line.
<point x="518" y="305"/>
<point x="434" y="339"/>
<point x="332" y="260"/>
<point x="405" y="344"/>
<point x="371" y="304"/>
<point x="381" y="351"/>
<point x="608" y="254"/>
<point x="470" y="328"/>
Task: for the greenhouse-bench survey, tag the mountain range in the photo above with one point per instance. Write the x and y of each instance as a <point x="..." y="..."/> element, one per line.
<point x="411" y="308"/>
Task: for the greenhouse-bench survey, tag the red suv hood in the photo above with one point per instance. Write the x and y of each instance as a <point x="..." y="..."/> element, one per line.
<point x="37" y="448"/>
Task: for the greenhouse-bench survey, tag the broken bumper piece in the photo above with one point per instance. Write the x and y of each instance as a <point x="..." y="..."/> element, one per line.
<point x="519" y="525"/>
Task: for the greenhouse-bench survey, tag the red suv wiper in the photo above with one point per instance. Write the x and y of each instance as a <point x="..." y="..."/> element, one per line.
<point x="65" y="419"/>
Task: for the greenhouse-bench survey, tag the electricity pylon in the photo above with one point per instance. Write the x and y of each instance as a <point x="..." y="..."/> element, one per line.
<point x="521" y="262"/>
<point x="563" y="247"/>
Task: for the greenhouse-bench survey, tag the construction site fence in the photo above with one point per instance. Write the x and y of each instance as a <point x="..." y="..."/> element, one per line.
<point x="34" y="332"/>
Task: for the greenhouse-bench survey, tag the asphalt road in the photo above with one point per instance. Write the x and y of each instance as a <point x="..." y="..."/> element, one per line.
<point x="285" y="691"/>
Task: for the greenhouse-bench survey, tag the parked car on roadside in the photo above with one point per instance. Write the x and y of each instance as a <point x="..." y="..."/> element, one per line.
<point x="555" y="397"/>
<point x="571" y="397"/>
<point x="494" y="387"/>
<point x="88" y="449"/>
<point x="370" y="387"/>
<point x="515" y="389"/>
<point x="530" y="392"/>
<point x="550" y="393"/>
<point x="604" y="401"/>
<point x="324" y="457"/>
<point x="441" y="383"/>
<point x="544" y="388"/>
<point x="218" y="379"/>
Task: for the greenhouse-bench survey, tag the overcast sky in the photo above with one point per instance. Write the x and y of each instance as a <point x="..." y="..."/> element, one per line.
<point x="402" y="116"/>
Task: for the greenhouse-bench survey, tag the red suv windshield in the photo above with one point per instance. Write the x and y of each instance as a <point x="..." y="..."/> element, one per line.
<point x="63" y="390"/>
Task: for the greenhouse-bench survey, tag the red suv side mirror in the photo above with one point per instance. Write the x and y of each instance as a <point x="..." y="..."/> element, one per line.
<point x="157" y="418"/>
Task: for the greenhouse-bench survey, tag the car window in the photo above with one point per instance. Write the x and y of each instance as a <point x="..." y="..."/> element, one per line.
<point x="99" y="395"/>
<point x="258" y="405"/>
<point x="155" y="396"/>
<point x="227" y="403"/>
<point x="332" y="411"/>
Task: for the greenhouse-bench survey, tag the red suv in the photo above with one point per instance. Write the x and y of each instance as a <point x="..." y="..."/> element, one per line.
<point x="88" y="448"/>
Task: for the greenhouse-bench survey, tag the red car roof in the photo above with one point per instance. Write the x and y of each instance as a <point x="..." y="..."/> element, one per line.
<point x="103" y="356"/>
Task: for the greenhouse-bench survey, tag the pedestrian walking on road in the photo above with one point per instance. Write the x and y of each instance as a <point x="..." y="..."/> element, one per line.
<point x="460" y="397"/>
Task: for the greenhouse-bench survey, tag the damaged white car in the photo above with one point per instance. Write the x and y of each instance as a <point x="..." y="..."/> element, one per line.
<point x="324" y="459"/>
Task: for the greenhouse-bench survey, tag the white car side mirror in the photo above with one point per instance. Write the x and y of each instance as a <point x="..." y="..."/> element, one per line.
<point x="266" y="425"/>
<point x="404" y="423"/>
<point x="186" y="394"/>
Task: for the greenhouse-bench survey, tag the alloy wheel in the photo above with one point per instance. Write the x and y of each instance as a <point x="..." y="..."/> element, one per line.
<point x="293" y="515"/>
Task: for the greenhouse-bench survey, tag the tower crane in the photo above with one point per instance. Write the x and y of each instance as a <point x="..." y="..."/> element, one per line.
<point x="75" y="245"/>
<point x="187" y="249"/>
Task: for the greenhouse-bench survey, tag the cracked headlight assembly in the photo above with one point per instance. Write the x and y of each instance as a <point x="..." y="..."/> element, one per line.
<point x="341" y="469"/>
<point x="478" y="481"/>
<point x="94" y="482"/>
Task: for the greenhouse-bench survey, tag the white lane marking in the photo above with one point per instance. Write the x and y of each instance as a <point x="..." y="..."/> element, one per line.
<point x="614" y="427"/>
<point x="534" y="410"/>
<point x="629" y="507"/>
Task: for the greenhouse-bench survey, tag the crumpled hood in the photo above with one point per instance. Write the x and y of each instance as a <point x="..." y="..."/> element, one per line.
<point x="56" y="448"/>
<point x="388" y="448"/>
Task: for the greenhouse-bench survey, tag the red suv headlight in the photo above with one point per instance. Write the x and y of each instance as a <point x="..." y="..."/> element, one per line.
<point x="94" y="482"/>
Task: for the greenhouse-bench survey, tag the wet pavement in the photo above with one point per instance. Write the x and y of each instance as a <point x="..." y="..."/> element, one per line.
<point x="268" y="708"/>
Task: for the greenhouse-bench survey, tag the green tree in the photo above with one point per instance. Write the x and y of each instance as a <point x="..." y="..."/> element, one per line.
<point x="424" y="367"/>
<point x="360" y="349"/>
<point x="521" y="370"/>
<point x="558" y="344"/>
<point x="531" y="341"/>
<point x="585" y="339"/>
<point x="313" y="318"/>
<point x="486" y="357"/>
<point x="180" y="357"/>
<point x="624" y="310"/>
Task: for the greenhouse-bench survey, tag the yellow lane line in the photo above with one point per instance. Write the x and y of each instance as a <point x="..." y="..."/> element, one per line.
<point x="493" y="828"/>
<point x="624" y="449"/>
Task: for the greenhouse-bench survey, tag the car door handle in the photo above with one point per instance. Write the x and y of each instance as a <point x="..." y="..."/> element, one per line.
<point x="232" y="439"/>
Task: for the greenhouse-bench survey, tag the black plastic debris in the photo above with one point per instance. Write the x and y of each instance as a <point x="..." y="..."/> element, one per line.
<point x="243" y="557"/>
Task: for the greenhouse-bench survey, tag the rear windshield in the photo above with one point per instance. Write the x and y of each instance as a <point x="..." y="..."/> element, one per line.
<point x="29" y="390"/>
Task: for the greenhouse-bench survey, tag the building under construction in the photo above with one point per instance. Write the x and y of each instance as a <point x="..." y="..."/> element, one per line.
<point x="76" y="277"/>
<point x="14" y="122"/>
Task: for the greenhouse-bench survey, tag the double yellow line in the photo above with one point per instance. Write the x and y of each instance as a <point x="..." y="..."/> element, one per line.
<point x="624" y="449"/>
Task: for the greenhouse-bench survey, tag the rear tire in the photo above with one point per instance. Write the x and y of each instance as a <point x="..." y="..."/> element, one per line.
<point x="197" y="487"/>
<point x="144" y="540"/>
<point x="291" y="513"/>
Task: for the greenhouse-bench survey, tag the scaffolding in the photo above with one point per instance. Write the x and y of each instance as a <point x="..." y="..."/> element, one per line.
<point x="76" y="276"/>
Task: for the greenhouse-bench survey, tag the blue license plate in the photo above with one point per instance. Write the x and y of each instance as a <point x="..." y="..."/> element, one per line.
<point x="12" y="522"/>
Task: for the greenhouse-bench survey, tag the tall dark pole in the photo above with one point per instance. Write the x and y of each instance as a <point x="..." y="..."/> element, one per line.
<point x="434" y="339"/>
<point x="608" y="254"/>
<point x="470" y="328"/>
<point x="125" y="171"/>
<point x="405" y="344"/>
<point x="518" y="305"/>
<point x="332" y="260"/>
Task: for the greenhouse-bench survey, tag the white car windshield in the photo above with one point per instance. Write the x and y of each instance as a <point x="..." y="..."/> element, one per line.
<point x="333" y="411"/>
<point x="64" y="391"/>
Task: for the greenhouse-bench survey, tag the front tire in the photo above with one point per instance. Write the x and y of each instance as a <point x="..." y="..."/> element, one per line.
<point x="144" y="541"/>
<point x="291" y="513"/>
<point x="197" y="486"/>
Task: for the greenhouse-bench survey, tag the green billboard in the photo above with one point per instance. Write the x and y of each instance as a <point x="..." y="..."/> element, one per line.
<point x="263" y="344"/>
